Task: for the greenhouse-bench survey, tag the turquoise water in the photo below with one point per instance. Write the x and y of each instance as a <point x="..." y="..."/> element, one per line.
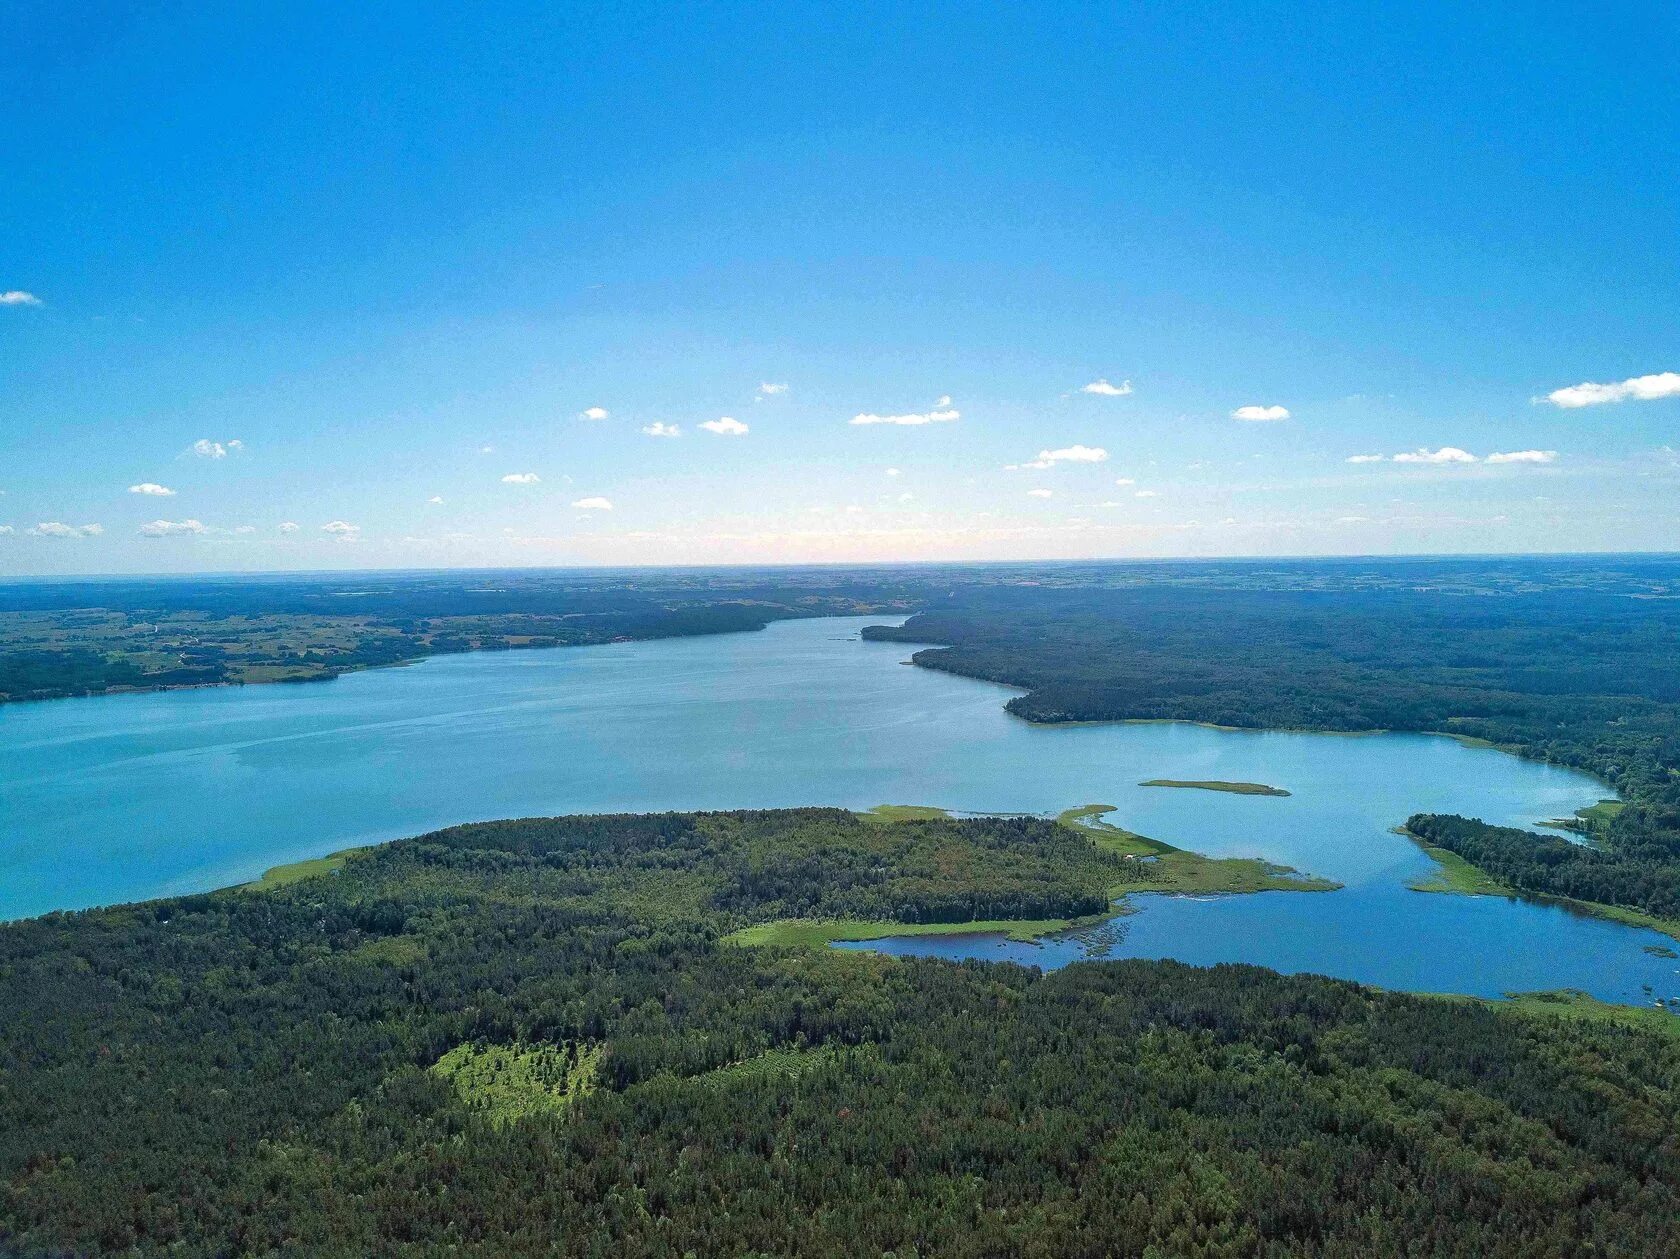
<point x="124" y="797"/>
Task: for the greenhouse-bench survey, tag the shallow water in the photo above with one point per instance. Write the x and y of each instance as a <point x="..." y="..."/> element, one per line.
<point x="124" y="797"/>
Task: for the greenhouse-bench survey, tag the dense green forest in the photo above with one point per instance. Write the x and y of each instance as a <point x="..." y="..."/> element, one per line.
<point x="1584" y="678"/>
<point x="532" y="1038"/>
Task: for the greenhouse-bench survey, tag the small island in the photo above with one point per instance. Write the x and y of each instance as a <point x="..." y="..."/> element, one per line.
<point x="1240" y="789"/>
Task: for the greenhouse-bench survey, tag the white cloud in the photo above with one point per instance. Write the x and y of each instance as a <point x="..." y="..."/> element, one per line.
<point x="1366" y="458"/>
<point x="58" y="529"/>
<point x="17" y="297"/>
<point x="661" y="429"/>
<point x="941" y="413"/>
<point x="1106" y="390"/>
<point x="1125" y="480"/>
<point x="1635" y="388"/>
<point x="1040" y="493"/>
<point x="436" y="500"/>
<point x="1074" y="454"/>
<point x="594" y="413"/>
<point x="1146" y="494"/>
<point x="1523" y="456"/>
<point x="5" y="529"/>
<point x="1260" y="413"/>
<point x="906" y="498"/>
<point x="204" y="448"/>
<point x="593" y="504"/>
<point x="769" y="390"/>
<point x="152" y="488"/>
<point x="1447" y="454"/>
<point x="521" y="478"/>
<point x="341" y="529"/>
<point x="289" y="526"/>
<point x="486" y="450"/>
<point x="894" y="472"/>
<point x="246" y="529"/>
<point x="171" y="528"/>
<point x="725" y="426"/>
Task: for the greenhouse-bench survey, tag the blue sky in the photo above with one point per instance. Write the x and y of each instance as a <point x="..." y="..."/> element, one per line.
<point x="313" y="271"/>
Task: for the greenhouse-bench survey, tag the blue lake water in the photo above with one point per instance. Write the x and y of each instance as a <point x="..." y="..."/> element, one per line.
<point x="125" y="797"/>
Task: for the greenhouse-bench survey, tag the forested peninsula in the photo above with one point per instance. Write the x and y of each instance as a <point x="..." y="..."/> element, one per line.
<point x="537" y="1038"/>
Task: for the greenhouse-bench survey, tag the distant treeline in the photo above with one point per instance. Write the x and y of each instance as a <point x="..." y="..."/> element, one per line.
<point x="530" y="1038"/>
<point x="1579" y="678"/>
<point x="152" y="635"/>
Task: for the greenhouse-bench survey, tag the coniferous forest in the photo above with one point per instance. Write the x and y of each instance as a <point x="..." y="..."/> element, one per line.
<point x="537" y="1037"/>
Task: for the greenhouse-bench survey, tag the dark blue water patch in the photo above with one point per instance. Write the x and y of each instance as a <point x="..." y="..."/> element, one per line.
<point x="1391" y="937"/>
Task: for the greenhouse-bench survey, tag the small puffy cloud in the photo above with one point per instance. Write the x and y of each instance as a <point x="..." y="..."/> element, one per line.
<point x="1447" y="454"/>
<point x="341" y="529"/>
<point x="245" y="529"/>
<point x="942" y="412"/>
<point x="1366" y="458"/>
<point x="1523" y="456"/>
<point x="18" y="297"/>
<point x="1256" y="413"/>
<point x="1040" y="493"/>
<point x="204" y="448"/>
<point x="661" y="429"/>
<point x="521" y="478"/>
<point x="1636" y="389"/>
<point x="171" y="529"/>
<point x="1146" y="494"/>
<point x="1103" y="389"/>
<point x="1125" y="480"/>
<point x="152" y="488"/>
<point x="726" y="426"/>
<point x="593" y="504"/>
<point x="289" y="526"/>
<point x="486" y="450"/>
<point x="769" y="390"/>
<point x="594" y="413"/>
<point x="58" y="529"/>
<point x="436" y="500"/>
<point x="894" y="472"/>
<point x="5" y="529"/>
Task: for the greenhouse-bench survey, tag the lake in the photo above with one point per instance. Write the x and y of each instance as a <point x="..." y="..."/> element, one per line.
<point x="124" y="797"/>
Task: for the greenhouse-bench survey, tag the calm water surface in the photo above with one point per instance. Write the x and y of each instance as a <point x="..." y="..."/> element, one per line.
<point x="124" y="797"/>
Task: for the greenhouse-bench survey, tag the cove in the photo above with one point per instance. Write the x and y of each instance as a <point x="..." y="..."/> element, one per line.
<point x="125" y="797"/>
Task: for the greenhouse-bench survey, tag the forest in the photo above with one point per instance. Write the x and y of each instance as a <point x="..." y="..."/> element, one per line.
<point x="1588" y="678"/>
<point x="533" y="1037"/>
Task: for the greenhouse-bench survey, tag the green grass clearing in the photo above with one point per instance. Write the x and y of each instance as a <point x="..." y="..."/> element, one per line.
<point x="505" y="1083"/>
<point x="1454" y="874"/>
<point x="297" y="871"/>
<point x="1177" y="870"/>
